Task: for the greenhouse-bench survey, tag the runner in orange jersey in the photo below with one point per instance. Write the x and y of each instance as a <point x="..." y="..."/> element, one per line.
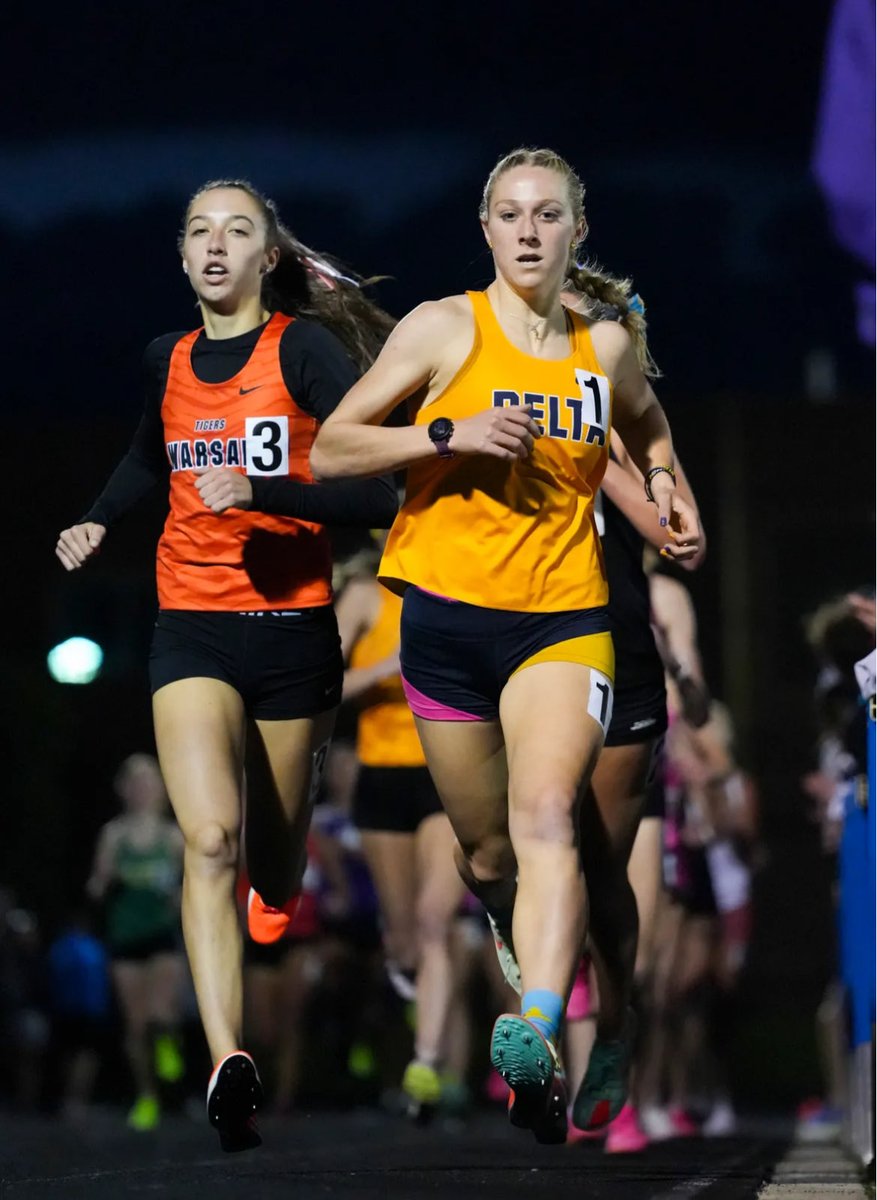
<point x="246" y="663"/>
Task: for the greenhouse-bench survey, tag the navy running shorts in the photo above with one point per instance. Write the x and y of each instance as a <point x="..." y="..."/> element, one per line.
<point x="458" y="657"/>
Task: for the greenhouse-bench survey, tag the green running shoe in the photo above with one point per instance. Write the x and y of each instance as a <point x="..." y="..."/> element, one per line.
<point x="604" y="1089"/>
<point x="145" y="1115"/>
<point x="456" y="1098"/>
<point x="530" y="1065"/>
<point x="169" y="1064"/>
<point x="423" y="1091"/>
<point x="361" y="1061"/>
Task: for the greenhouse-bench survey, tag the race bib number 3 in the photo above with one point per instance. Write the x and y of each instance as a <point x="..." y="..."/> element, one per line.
<point x="267" y="445"/>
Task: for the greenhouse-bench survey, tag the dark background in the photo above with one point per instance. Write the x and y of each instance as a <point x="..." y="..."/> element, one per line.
<point x="373" y="127"/>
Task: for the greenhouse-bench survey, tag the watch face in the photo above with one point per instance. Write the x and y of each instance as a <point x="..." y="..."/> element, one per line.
<point x="441" y="429"/>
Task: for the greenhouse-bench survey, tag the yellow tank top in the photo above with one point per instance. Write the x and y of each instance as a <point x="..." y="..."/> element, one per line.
<point x="386" y="734"/>
<point x="516" y="536"/>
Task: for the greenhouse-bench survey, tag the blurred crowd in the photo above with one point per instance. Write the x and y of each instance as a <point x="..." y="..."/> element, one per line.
<point x="103" y="1011"/>
<point x="840" y="633"/>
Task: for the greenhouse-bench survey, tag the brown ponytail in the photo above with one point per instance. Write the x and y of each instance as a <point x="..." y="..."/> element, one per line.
<point x="307" y="283"/>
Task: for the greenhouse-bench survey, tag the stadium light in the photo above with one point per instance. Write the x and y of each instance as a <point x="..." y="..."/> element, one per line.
<point x="77" y="660"/>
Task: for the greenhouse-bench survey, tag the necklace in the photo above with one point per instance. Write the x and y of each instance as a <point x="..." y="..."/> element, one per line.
<point x="532" y="327"/>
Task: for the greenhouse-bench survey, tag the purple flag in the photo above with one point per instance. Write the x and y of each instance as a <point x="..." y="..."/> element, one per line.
<point x="843" y="154"/>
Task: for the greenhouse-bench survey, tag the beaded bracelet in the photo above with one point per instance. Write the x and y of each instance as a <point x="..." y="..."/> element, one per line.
<point x="651" y="475"/>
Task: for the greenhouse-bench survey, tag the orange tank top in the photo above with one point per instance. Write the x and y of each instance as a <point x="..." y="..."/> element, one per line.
<point x="386" y="734"/>
<point x="515" y="536"/>
<point x="237" y="561"/>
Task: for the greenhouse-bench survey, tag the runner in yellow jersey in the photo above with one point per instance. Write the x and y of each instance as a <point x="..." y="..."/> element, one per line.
<point x="406" y="837"/>
<point x="506" y="654"/>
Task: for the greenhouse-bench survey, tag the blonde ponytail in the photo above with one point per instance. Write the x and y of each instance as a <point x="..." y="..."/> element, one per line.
<point x="610" y="299"/>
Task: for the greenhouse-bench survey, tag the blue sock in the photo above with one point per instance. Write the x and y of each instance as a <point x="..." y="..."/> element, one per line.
<point x="543" y="1009"/>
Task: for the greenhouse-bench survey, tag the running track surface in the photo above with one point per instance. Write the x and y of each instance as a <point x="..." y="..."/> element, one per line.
<point x="372" y="1156"/>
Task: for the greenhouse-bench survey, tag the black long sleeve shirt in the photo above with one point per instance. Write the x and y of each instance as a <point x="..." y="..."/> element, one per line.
<point x="316" y="372"/>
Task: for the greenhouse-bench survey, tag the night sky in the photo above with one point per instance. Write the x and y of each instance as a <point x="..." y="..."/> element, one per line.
<point x="373" y="126"/>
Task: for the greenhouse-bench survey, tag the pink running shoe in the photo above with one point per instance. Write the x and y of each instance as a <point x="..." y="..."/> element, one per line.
<point x="682" y="1124"/>
<point x="579" y="1004"/>
<point x="575" y="1135"/>
<point x="496" y="1090"/>
<point x="625" y="1135"/>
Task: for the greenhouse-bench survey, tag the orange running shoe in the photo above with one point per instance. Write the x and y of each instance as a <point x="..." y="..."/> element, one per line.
<point x="267" y="924"/>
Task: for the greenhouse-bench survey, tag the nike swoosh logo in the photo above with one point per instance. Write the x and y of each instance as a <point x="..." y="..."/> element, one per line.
<point x="246" y="391"/>
<point x="642" y="724"/>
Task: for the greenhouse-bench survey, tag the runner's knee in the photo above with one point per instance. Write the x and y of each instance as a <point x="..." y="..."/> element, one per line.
<point x="487" y="859"/>
<point x="211" y="847"/>
<point x="433" y="921"/>
<point x="545" y="814"/>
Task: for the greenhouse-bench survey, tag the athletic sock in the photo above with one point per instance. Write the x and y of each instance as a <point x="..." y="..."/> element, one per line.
<point x="543" y="1009"/>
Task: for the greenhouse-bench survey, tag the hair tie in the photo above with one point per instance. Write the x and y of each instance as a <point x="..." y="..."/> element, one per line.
<point x="325" y="271"/>
<point x="635" y="304"/>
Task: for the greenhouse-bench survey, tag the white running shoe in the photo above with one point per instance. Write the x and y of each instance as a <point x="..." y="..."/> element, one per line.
<point x="656" y="1123"/>
<point x="721" y="1122"/>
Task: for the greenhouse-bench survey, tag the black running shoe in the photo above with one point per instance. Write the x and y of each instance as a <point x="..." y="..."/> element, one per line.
<point x="234" y="1096"/>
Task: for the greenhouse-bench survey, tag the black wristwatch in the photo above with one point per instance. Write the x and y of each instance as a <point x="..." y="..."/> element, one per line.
<point x="440" y="431"/>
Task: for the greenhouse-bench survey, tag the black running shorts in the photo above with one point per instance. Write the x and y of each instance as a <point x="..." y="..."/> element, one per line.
<point x="639" y="714"/>
<point x="655" y="805"/>
<point x="394" y="799"/>
<point x="146" y="948"/>
<point x="283" y="665"/>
